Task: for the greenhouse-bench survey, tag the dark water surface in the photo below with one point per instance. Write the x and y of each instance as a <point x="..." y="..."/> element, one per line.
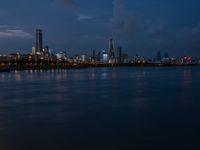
<point x="100" y="109"/>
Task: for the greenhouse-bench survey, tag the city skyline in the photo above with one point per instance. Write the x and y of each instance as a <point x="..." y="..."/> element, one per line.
<point x="140" y="27"/>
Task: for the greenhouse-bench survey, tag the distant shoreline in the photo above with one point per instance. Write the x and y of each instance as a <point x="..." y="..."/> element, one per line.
<point x="80" y="66"/>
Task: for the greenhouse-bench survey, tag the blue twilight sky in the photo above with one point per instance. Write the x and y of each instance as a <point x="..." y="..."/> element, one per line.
<point x="79" y="26"/>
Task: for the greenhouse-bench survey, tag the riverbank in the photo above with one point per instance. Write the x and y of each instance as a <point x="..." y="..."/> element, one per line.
<point x="83" y="66"/>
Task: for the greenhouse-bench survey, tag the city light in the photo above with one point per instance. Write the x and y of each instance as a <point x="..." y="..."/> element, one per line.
<point x="42" y="57"/>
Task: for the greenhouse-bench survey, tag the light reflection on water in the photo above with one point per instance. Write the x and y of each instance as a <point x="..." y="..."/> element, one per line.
<point x="187" y="81"/>
<point x="119" y="105"/>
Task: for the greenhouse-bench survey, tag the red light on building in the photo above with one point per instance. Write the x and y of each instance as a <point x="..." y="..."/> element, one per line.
<point x="189" y="58"/>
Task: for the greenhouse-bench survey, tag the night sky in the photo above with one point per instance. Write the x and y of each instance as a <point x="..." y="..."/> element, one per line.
<point x="78" y="26"/>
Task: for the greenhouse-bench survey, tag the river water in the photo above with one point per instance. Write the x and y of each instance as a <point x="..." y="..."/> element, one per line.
<point x="100" y="109"/>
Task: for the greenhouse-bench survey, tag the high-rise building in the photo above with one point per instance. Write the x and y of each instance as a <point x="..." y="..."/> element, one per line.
<point x="46" y="53"/>
<point x="158" y="56"/>
<point x="111" y="48"/>
<point x="94" y="55"/>
<point x="166" y="55"/>
<point x="125" y="58"/>
<point x="105" y="56"/>
<point x="99" y="56"/>
<point x="119" y="54"/>
<point x="39" y="43"/>
<point x="33" y="50"/>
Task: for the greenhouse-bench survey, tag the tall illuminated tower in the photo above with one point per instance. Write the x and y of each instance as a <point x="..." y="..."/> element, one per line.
<point x="39" y="44"/>
<point x="111" y="48"/>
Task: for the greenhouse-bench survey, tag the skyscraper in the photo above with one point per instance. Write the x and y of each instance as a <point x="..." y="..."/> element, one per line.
<point x="119" y="54"/>
<point x="39" y="44"/>
<point x="111" y="48"/>
<point x="158" y="56"/>
<point x="94" y="55"/>
<point x="166" y="55"/>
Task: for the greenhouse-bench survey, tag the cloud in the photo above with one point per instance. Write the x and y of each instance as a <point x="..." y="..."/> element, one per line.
<point x="84" y="17"/>
<point x="14" y="33"/>
<point x="120" y="19"/>
<point x="189" y="37"/>
<point x="72" y="4"/>
<point x="2" y="26"/>
<point x="144" y="33"/>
